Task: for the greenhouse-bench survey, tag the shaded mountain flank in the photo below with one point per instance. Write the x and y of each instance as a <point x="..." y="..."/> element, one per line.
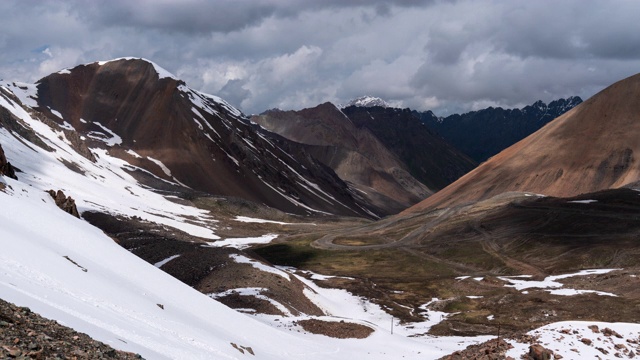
<point x="428" y="157"/>
<point x="353" y="152"/>
<point x="592" y="147"/>
<point x="484" y="133"/>
<point x="142" y="114"/>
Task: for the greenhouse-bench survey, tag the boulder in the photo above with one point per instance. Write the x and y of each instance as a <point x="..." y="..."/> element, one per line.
<point x="538" y="352"/>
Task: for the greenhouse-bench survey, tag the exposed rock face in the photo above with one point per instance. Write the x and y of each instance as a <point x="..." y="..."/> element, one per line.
<point x="5" y="167"/>
<point x="199" y="140"/>
<point x="67" y="204"/>
<point x="428" y="157"/>
<point x="592" y="147"/>
<point x="484" y="133"/>
<point x="354" y="153"/>
<point x="489" y="350"/>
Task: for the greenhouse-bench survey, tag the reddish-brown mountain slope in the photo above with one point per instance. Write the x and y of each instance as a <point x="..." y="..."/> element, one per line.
<point x="594" y="146"/>
<point x="139" y="112"/>
<point x="354" y="153"/>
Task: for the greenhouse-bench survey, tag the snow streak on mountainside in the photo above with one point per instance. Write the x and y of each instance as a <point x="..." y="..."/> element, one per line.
<point x="48" y="160"/>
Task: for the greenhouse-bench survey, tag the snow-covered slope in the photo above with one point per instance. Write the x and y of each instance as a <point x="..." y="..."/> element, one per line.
<point x="67" y="270"/>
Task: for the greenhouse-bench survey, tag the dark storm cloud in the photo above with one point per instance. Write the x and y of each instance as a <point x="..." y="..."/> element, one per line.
<point x="260" y="54"/>
<point x="205" y="16"/>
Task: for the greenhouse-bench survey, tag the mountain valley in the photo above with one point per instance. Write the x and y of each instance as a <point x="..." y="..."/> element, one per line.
<point x="318" y="233"/>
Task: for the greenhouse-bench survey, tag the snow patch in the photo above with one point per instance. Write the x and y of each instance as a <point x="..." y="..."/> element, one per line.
<point x="240" y="259"/>
<point x="161" y="165"/>
<point x="242" y="243"/>
<point x="160" y="263"/>
<point x="582" y="201"/>
<point x="162" y="73"/>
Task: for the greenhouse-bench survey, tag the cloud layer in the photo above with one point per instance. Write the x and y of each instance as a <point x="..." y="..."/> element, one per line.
<point x="260" y="54"/>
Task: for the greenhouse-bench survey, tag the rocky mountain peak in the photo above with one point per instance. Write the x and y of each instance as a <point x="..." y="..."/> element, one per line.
<point x="367" y="101"/>
<point x="141" y="113"/>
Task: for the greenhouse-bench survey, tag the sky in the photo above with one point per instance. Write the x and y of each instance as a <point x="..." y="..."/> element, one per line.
<point x="445" y="56"/>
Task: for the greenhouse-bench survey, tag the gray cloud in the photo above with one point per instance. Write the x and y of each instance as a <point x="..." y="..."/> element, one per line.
<point x="445" y="56"/>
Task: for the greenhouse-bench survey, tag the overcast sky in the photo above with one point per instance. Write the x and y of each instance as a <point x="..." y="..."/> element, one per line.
<point x="259" y="54"/>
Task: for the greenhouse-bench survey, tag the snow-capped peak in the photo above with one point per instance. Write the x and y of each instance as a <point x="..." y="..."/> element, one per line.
<point x="162" y="73"/>
<point x="366" y="101"/>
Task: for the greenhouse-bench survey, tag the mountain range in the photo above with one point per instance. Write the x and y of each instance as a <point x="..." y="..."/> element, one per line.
<point x="484" y="133"/>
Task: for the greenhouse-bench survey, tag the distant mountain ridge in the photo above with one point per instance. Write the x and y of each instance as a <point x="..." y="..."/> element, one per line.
<point x="429" y="158"/>
<point x="484" y="133"/>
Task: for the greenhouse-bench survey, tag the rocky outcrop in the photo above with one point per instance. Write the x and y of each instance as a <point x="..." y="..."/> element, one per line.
<point x="490" y="350"/>
<point x="5" y="166"/>
<point x="67" y="204"/>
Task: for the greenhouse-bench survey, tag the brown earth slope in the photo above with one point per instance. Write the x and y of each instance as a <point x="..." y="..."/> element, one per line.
<point x="354" y="153"/>
<point x="594" y="146"/>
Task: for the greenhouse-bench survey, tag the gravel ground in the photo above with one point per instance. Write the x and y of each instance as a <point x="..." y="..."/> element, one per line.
<point x="27" y="335"/>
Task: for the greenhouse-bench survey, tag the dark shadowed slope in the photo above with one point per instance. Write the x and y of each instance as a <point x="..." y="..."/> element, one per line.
<point x="428" y="157"/>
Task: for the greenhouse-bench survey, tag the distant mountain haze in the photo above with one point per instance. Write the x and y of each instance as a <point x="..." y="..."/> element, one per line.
<point x="484" y="133"/>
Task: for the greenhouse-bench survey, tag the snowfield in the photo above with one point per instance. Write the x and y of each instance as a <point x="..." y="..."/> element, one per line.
<point x="117" y="300"/>
<point x="566" y="339"/>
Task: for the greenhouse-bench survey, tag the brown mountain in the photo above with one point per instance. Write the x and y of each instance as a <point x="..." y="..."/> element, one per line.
<point x="592" y="147"/>
<point x="142" y="114"/>
<point x="353" y="152"/>
<point x="427" y="156"/>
